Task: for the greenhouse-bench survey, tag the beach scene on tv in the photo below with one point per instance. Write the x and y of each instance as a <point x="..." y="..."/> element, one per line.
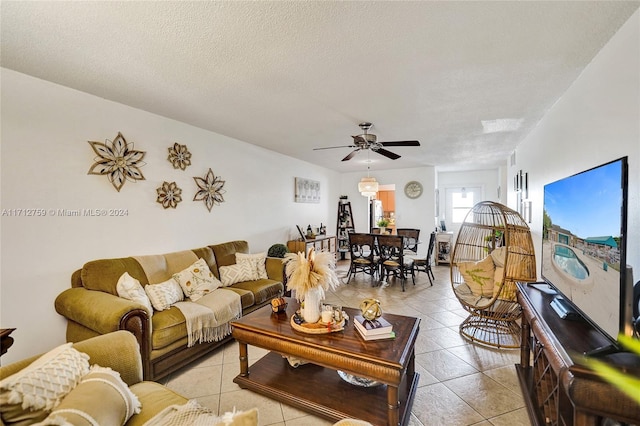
<point x="581" y="242"/>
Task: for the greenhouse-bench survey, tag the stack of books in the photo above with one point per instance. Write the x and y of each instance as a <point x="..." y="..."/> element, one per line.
<point x="377" y="329"/>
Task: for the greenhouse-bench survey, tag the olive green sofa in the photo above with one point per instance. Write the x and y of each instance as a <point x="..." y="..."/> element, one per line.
<point x="118" y="351"/>
<point x="92" y="306"/>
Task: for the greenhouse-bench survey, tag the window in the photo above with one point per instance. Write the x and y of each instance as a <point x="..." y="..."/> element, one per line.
<point x="460" y="201"/>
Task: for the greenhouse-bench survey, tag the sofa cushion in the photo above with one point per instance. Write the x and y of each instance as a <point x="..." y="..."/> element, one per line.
<point x="131" y="289"/>
<point x="207" y="254"/>
<point x="226" y="252"/>
<point x="160" y="267"/>
<point x="246" y="296"/>
<point x="164" y="294"/>
<point x="168" y="327"/>
<point x="43" y="383"/>
<point x="197" y="280"/>
<point x="103" y="274"/>
<point x="101" y="398"/>
<point x="154" y="398"/>
<point x="263" y="290"/>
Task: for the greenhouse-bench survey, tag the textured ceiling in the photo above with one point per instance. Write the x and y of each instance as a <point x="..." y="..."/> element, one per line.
<point x="291" y="76"/>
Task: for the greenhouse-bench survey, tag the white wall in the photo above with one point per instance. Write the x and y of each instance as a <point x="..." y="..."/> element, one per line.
<point x="597" y="120"/>
<point x="45" y="160"/>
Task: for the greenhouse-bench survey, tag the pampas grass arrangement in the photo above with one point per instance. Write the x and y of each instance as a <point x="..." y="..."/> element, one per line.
<point x="314" y="271"/>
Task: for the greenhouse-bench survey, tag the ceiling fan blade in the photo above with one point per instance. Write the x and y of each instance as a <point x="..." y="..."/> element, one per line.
<point x="401" y="143"/>
<point x="351" y="154"/>
<point x="387" y="154"/>
<point x="332" y="147"/>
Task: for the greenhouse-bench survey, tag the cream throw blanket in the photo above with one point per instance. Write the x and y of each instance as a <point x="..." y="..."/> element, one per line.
<point x="208" y="317"/>
<point x="194" y="414"/>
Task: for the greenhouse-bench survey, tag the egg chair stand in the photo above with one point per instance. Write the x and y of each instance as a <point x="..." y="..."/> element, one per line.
<point x="493" y="251"/>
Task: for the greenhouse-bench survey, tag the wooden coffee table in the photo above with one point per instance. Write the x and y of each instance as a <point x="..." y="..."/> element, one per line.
<point x="316" y="387"/>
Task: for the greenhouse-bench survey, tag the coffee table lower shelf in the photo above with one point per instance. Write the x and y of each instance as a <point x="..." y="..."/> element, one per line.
<point x="322" y="392"/>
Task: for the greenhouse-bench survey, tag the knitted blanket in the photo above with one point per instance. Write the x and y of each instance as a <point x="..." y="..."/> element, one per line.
<point x="208" y="318"/>
<point x="194" y="414"/>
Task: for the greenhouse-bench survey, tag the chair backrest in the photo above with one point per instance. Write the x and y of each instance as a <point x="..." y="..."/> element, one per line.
<point x="361" y="246"/>
<point x="432" y="243"/>
<point x="375" y="230"/>
<point x="390" y="247"/>
<point x="411" y="239"/>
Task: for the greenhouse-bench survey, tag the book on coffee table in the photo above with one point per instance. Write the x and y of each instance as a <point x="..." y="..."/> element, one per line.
<point x="370" y="328"/>
<point x="380" y="336"/>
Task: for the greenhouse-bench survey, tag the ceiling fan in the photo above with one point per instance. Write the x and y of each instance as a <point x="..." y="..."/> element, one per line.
<point x="369" y="141"/>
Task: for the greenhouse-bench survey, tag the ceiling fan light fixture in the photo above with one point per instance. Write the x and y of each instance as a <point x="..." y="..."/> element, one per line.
<point x="368" y="186"/>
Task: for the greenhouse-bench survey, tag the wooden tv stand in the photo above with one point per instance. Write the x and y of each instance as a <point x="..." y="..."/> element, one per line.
<point x="557" y="389"/>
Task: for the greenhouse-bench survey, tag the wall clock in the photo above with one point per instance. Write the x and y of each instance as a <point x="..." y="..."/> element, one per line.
<point x="413" y="189"/>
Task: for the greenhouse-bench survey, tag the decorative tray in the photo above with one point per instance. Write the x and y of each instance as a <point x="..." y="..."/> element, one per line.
<point x="317" y="327"/>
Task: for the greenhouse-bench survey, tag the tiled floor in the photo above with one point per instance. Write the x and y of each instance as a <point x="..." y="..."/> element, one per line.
<point x="460" y="383"/>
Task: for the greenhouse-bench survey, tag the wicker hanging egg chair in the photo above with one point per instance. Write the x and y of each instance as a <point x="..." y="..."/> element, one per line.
<point x="493" y="251"/>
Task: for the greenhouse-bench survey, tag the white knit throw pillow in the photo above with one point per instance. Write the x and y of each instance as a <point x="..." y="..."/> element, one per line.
<point x="43" y="383"/>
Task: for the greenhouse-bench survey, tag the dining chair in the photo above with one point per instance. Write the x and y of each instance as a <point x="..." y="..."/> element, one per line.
<point x="411" y="240"/>
<point x="375" y="230"/>
<point x="362" y="254"/>
<point x="424" y="263"/>
<point x="392" y="260"/>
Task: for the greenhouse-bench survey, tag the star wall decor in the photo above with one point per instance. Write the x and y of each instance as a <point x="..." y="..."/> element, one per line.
<point x="210" y="190"/>
<point x="169" y="195"/>
<point x="179" y="156"/>
<point x="118" y="160"/>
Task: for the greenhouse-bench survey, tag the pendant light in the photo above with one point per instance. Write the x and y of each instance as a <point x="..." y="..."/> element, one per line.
<point x="368" y="186"/>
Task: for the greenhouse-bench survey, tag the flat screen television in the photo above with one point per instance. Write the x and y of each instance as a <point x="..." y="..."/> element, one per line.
<point x="584" y="247"/>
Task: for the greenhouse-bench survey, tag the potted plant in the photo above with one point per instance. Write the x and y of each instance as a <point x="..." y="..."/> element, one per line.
<point x="382" y="224"/>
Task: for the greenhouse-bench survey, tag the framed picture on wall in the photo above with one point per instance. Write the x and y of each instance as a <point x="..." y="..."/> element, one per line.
<point x="307" y="191"/>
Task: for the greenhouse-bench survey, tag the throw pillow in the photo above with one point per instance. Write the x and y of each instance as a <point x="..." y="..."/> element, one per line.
<point x="197" y="280"/>
<point x="101" y="398"/>
<point x="509" y="290"/>
<point x="43" y="383"/>
<point x="130" y="288"/>
<point x="499" y="255"/>
<point x="479" y="276"/>
<point x="257" y="262"/>
<point x="165" y="294"/>
<point x="236" y="273"/>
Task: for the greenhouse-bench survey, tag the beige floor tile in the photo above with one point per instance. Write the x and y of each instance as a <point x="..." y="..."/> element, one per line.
<point x="485" y="358"/>
<point x="212" y="402"/>
<point x="308" y="421"/>
<point x="436" y="405"/>
<point x="197" y="382"/>
<point x="517" y="417"/>
<point x="506" y="376"/>
<point x="485" y="395"/>
<point x="444" y="365"/>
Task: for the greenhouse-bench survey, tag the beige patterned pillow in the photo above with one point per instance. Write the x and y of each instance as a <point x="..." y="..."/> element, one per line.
<point x="165" y="294"/>
<point x="236" y="273"/>
<point x="257" y="262"/>
<point x="101" y="398"/>
<point x="479" y="276"/>
<point x="43" y="383"/>
<point x="197" y="280"/>
<point x="130" y="288"/>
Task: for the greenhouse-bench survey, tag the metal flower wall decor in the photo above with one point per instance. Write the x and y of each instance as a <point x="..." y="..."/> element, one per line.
<point x="118" y="160"/>
<point x="210" y="189"/>
<point x="169" y="195"/>
<point x="179" y="156"/>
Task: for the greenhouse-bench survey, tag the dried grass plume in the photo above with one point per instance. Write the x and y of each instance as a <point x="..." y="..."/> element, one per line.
<point x="316" y="270"/>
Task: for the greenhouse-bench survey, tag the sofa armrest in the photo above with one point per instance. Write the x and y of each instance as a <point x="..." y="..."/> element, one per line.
<point x="103" y="313"/>
<point x="275" y="269"/>
<point x="118" y="350"/>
